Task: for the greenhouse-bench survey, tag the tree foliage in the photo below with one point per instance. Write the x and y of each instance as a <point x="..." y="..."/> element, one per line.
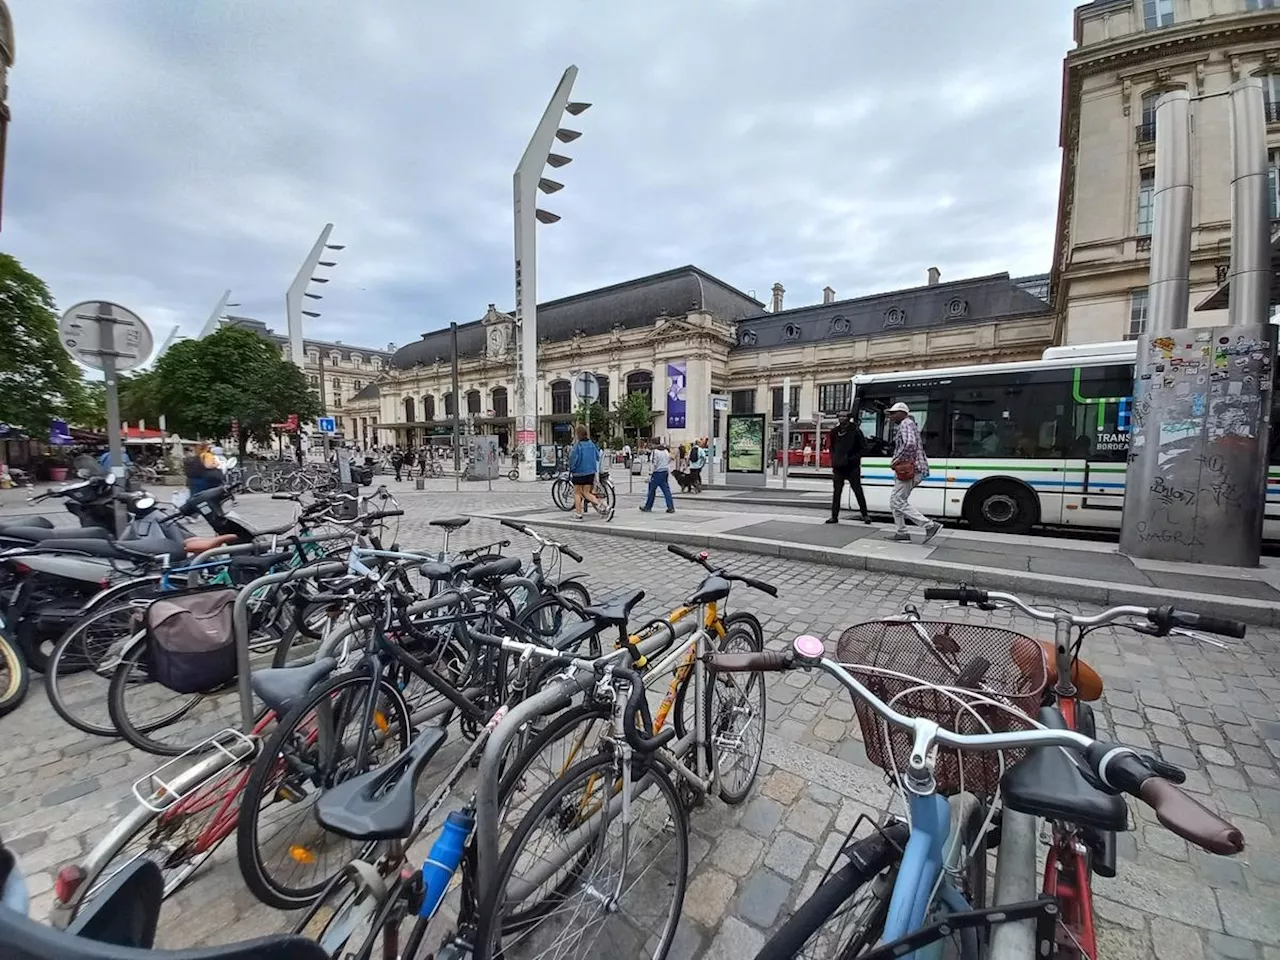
<point x="599" y="419"/>
<point x="139" y="399"/>
<point x="233" y="374"/>
<point x="38" y="379"/>
<point x="634" y="412"/>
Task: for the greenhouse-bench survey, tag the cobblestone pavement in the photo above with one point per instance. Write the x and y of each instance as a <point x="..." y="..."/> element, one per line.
<point x="1211" y="711"/>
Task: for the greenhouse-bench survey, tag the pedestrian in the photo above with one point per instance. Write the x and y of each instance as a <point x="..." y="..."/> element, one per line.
<point x="847" y="447"/>
<point x="626" y="455"/>
<point x="201" y="469"/>
<point x="808" y="454"/>
<point x="397" y="461"/>
<point x="584" y="464"/>
<point x="659" y="478"/>
<point x="697" y="457"/>
<point x="910" y="468"/>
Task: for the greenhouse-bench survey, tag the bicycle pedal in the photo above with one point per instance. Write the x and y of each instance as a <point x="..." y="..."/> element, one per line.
<point x="289" y="794"/>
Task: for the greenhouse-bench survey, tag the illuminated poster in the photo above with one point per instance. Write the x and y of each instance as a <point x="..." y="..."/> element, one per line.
<point x="746" y="442"/>
<point x="676" y="399"/>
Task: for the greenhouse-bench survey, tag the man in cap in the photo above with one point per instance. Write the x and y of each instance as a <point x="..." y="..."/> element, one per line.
<point x="910" y="468"/>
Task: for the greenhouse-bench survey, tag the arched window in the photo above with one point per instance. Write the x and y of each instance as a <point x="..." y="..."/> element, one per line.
<point x="428" y="407"/>
<point x="1147" y="129"/>
<point x="603" y="380"/>
<point x="500" y="402"/>
<point x="473" y="401"/>
<point x="408" y="410"/>
<point x="561" y="397"/>
<point x="448" y="404"/>
<point x="640" y="381"/>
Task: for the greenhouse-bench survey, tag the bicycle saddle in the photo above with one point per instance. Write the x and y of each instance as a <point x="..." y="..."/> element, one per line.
<point x="380" y="804"/>
<point x="451" y="523"/>
<point x="282" y="687"/>
<point x="444" y="570"/>
<point x="493" y="570"/>
<point x="1048" y="783"/>
<point x="712" y="589"/>
<point x="617" y="611"/>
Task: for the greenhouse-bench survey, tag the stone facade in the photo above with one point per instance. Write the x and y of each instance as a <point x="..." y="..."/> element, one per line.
<point x="1128" y="52"/>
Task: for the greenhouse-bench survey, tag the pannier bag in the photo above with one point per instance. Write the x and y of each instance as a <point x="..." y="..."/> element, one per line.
<point x="190" y="641"/>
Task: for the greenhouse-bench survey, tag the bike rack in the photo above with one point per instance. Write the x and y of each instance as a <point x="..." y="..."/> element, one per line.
<point x="241" y="549"/>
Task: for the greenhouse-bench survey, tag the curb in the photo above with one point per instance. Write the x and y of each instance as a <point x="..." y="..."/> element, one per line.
<point x="1258" y="612"/>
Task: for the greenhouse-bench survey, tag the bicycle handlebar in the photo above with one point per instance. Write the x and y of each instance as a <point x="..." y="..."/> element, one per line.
<point x="703" y="560"/>
<point x="638" y="703"/>
<point x="1119" y="768"/>
<point x="530" y="532"/>
<point x="1164" y="618"/>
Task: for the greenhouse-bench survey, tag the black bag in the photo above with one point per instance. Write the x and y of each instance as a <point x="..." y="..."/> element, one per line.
<point x="190" y="640"/>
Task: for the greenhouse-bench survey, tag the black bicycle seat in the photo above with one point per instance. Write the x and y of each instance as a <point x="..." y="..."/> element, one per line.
<point x="280" y="688"/>
<point x="451" y="523"/>
<point x="261" y="563"/>
<point x="493" y="570"/>
<point x="615" y="612"/>
<point x="445" y="570"/>
<point x="1048" y="783"/>
<point x="712" y="590"/>
<point x="380" y="804"/>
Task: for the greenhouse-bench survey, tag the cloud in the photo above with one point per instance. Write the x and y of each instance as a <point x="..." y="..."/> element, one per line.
<point x="163" y="151"/>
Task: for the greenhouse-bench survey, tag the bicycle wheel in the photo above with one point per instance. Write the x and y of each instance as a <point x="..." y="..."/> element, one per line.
<point x="846" y="913"/>
<point x="618" y="889"/>
<point x="286" y="857"/>
<point x="254" y="483"/>
<point x="733" y="712"/>
<point x="78" y="680"/>
<point x="562" y="494"/>
<point x="14" y="677"/>
<point x="605" y="491"/>
<point x="346" y="914"/>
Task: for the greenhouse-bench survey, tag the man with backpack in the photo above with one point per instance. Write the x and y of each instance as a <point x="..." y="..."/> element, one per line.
<point x="697" y="457"/>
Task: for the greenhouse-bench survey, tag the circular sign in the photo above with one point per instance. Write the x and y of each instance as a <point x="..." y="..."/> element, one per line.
<point x="586" y="388"/>
<point x="83" y="330"/>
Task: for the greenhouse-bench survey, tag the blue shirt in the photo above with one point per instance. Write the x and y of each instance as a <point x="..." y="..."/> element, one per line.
<point x="584" y="458"/>
<point x="104" y="460"/>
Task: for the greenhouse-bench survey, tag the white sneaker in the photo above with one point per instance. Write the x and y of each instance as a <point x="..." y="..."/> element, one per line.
<point x="576" y="516"/>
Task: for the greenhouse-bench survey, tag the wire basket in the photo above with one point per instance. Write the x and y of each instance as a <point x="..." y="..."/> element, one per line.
<point x="997" y="665"/>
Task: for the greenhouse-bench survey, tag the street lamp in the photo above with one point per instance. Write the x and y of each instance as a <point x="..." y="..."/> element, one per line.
<point x="298" y="291"/>
<point x="526" y="183"/>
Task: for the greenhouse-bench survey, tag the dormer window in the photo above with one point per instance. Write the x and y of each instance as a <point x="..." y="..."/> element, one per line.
<point x="791" y="332"/>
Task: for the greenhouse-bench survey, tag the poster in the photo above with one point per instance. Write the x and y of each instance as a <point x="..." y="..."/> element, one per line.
<point x="746" y="442"/>
<point x="676" y="399"/>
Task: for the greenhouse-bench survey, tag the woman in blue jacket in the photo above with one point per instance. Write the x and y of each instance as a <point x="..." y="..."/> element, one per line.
<point x="584" y="464"/>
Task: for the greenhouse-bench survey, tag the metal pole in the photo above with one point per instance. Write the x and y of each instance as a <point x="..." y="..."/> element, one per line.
<point x="1170" y="283"/>
<point x="293" y="298"/>
<point x="211" y="324"/>
<point x="457" y="462"/>
<point x="786" y="429"/>
<point x="1250" y="271"/>
<point x="107" y="336"/>
<point x="324" y="409"/>
<point x="817" y="440"/>
<point x="524" y="193"/>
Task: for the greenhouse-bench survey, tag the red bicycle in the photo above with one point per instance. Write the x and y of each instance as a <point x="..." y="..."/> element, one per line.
<point x="1080" y="849"/>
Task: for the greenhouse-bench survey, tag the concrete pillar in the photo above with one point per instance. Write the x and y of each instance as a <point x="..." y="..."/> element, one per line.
<point x="1250" y="273"/>
<point x="1169" y="288"/>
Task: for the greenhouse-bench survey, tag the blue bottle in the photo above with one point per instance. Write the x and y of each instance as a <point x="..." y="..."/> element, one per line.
<point x="443" y="860"/>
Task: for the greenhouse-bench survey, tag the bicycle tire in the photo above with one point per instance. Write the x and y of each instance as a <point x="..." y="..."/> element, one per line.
<point x="562" y="494"/>
<point x="867" y="858"/>
<point x="263" y="785"/>
<point x="254" y="483"/>
<point x="740" y="619"/>
<point x="131" y="660"/>
<point x="56" y="678"/>
<point x="493" y="925"/>
<point x="15" y="678"/>
<point x="748" y="640"/>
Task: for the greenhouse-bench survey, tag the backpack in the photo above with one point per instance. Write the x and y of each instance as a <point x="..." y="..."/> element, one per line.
<point x="190" y="640"/>
<point x="695" y="458"/>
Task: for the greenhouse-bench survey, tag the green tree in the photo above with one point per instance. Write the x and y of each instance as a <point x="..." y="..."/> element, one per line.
<point x="234" y="374"/>
<point x="599" y="419"/>
<point x="634" y="412"/>
<point x="38" y="379"/>
<point x="89" y="410"/>
<point x="139" y="399"/>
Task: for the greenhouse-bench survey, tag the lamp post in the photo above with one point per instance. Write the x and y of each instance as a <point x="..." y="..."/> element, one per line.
<point x="526" y="183"/>
<point x="298" y="291"/>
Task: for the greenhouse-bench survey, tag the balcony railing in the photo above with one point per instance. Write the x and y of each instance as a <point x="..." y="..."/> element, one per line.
<point x="1147" y="132"/>
<point x="1273" y="111"/>
<point x="1144" y="244"/>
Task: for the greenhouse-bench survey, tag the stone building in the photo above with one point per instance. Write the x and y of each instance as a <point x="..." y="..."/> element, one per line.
<point x="730" y="343"/>
<point x="1127" y="53"/>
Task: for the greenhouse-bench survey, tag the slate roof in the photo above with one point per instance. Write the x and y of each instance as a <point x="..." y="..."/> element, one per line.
<point x="369" y="391"/>
<point x="974" y="300"/>
<point x="344" y="349"/>
<point x="629" y="305"/>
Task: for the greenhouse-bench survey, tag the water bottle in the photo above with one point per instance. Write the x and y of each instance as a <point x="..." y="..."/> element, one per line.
<point x="443" y="860"/>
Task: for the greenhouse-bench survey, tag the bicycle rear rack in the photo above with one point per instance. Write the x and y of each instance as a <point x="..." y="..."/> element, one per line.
<point x="166" y="785"/>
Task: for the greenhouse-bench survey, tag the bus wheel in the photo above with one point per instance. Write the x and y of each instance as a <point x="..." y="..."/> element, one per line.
<point x="1002" y="507"/>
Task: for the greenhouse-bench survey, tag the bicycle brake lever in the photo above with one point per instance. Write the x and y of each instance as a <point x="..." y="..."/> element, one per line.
<point x="1184" y="632"/>
<point x="1165" y="771"/>
<point x="987" y="605"/>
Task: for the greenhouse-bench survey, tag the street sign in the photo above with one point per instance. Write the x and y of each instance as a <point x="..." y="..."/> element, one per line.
<point x="586" y="388"/>
<point x="720" y="403"/>
<point x="81" y="332"/>
<point x="326" y="425"/>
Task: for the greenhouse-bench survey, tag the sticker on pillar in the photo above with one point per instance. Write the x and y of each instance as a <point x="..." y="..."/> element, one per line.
<point x="1197" y="405"/>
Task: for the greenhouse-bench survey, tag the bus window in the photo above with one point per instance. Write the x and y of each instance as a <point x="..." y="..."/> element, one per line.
<point x="1007" y="416"/>
<point x="928" y="411"/>
<point x="1101" y="398"/>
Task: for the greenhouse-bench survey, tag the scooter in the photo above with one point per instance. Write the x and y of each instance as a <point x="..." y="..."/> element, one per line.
<point x="91" y="500"/>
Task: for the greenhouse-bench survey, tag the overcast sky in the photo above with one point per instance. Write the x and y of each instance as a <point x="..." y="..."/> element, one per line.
<point x="162" y="151"/>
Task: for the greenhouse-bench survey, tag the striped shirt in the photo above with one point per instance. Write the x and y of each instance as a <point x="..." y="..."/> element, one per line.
<point x="908" y="448"/>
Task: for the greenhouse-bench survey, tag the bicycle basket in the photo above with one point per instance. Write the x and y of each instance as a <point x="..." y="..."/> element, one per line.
<point x="1008" y="667"/>
<point x="190" y="640"/>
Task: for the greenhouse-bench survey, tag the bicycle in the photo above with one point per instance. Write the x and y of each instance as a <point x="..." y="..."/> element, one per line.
<point x="909" y="870"/>
<point x="14" y="676"/>
<point x="1079" y="850"/>
<point x="601" y="487"/>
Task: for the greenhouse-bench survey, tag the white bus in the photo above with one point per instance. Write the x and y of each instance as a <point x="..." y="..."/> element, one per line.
<point x="1014" y="445"/>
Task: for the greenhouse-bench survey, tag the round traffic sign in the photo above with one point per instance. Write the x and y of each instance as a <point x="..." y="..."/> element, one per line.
<point x="81" y="333"/>
<point x="586" y="388"/>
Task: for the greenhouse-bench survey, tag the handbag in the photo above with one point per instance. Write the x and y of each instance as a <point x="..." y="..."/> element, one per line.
<point x="905" y="470"/>
<point x="190" y="640"/>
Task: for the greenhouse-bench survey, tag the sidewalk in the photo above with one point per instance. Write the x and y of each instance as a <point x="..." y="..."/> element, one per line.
<point x="1048" y="566"/>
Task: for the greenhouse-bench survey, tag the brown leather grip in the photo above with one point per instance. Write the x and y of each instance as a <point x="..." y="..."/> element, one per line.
<point x="1189" y="819"/>
<point x="765" y="661"/>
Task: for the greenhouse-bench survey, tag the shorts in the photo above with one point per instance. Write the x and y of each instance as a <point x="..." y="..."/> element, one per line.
<point x="583" y="480"/>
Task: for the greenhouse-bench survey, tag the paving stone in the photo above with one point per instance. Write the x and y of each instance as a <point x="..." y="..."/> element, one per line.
<point x="762" y="816"/>
<point x="71" y="791"/>
<point x="809" y="819"/>
<point x="699" y="847"/>
<point x="736" y="852"/>
<point x="1132" y="737"/>
<point x="1152" y="698"/>
<point x="829" y="730"/>
<point x="1171" y="736"/>
<point x="1140" y="887"/>
<point x="1200" y="715"/>
<point x="1217" y="872"/>
<point x="1174" y="941"/>
<point x="781" y="693"/>
<point x="735" y="941"/>
<point x="1241" y="735"/>
<point x="762" y="898"/>
<point x="782" y="786"/>
<point x="1249" y="918"/>
<point x="789" y="855"/>
<point x="1216" y="755"/>
<point x="1180" y="757"/>
<point x="1166" y="844"/>
<point x="804" y="712"/>
<point x="707" y="896"/>
<point x="1263" y="864"/>
<point x="1231" y="948"/>
<point x="1263" y="775"/>
<point x="1229" y="714"/>
<point x="1118" y="943"/>
<point x="821" y="795"/>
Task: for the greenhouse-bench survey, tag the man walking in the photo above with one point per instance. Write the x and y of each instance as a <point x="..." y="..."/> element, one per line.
<point x="847" y="446"/>
<point x="659" y="479"/>
<point x="910" y="468"/>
